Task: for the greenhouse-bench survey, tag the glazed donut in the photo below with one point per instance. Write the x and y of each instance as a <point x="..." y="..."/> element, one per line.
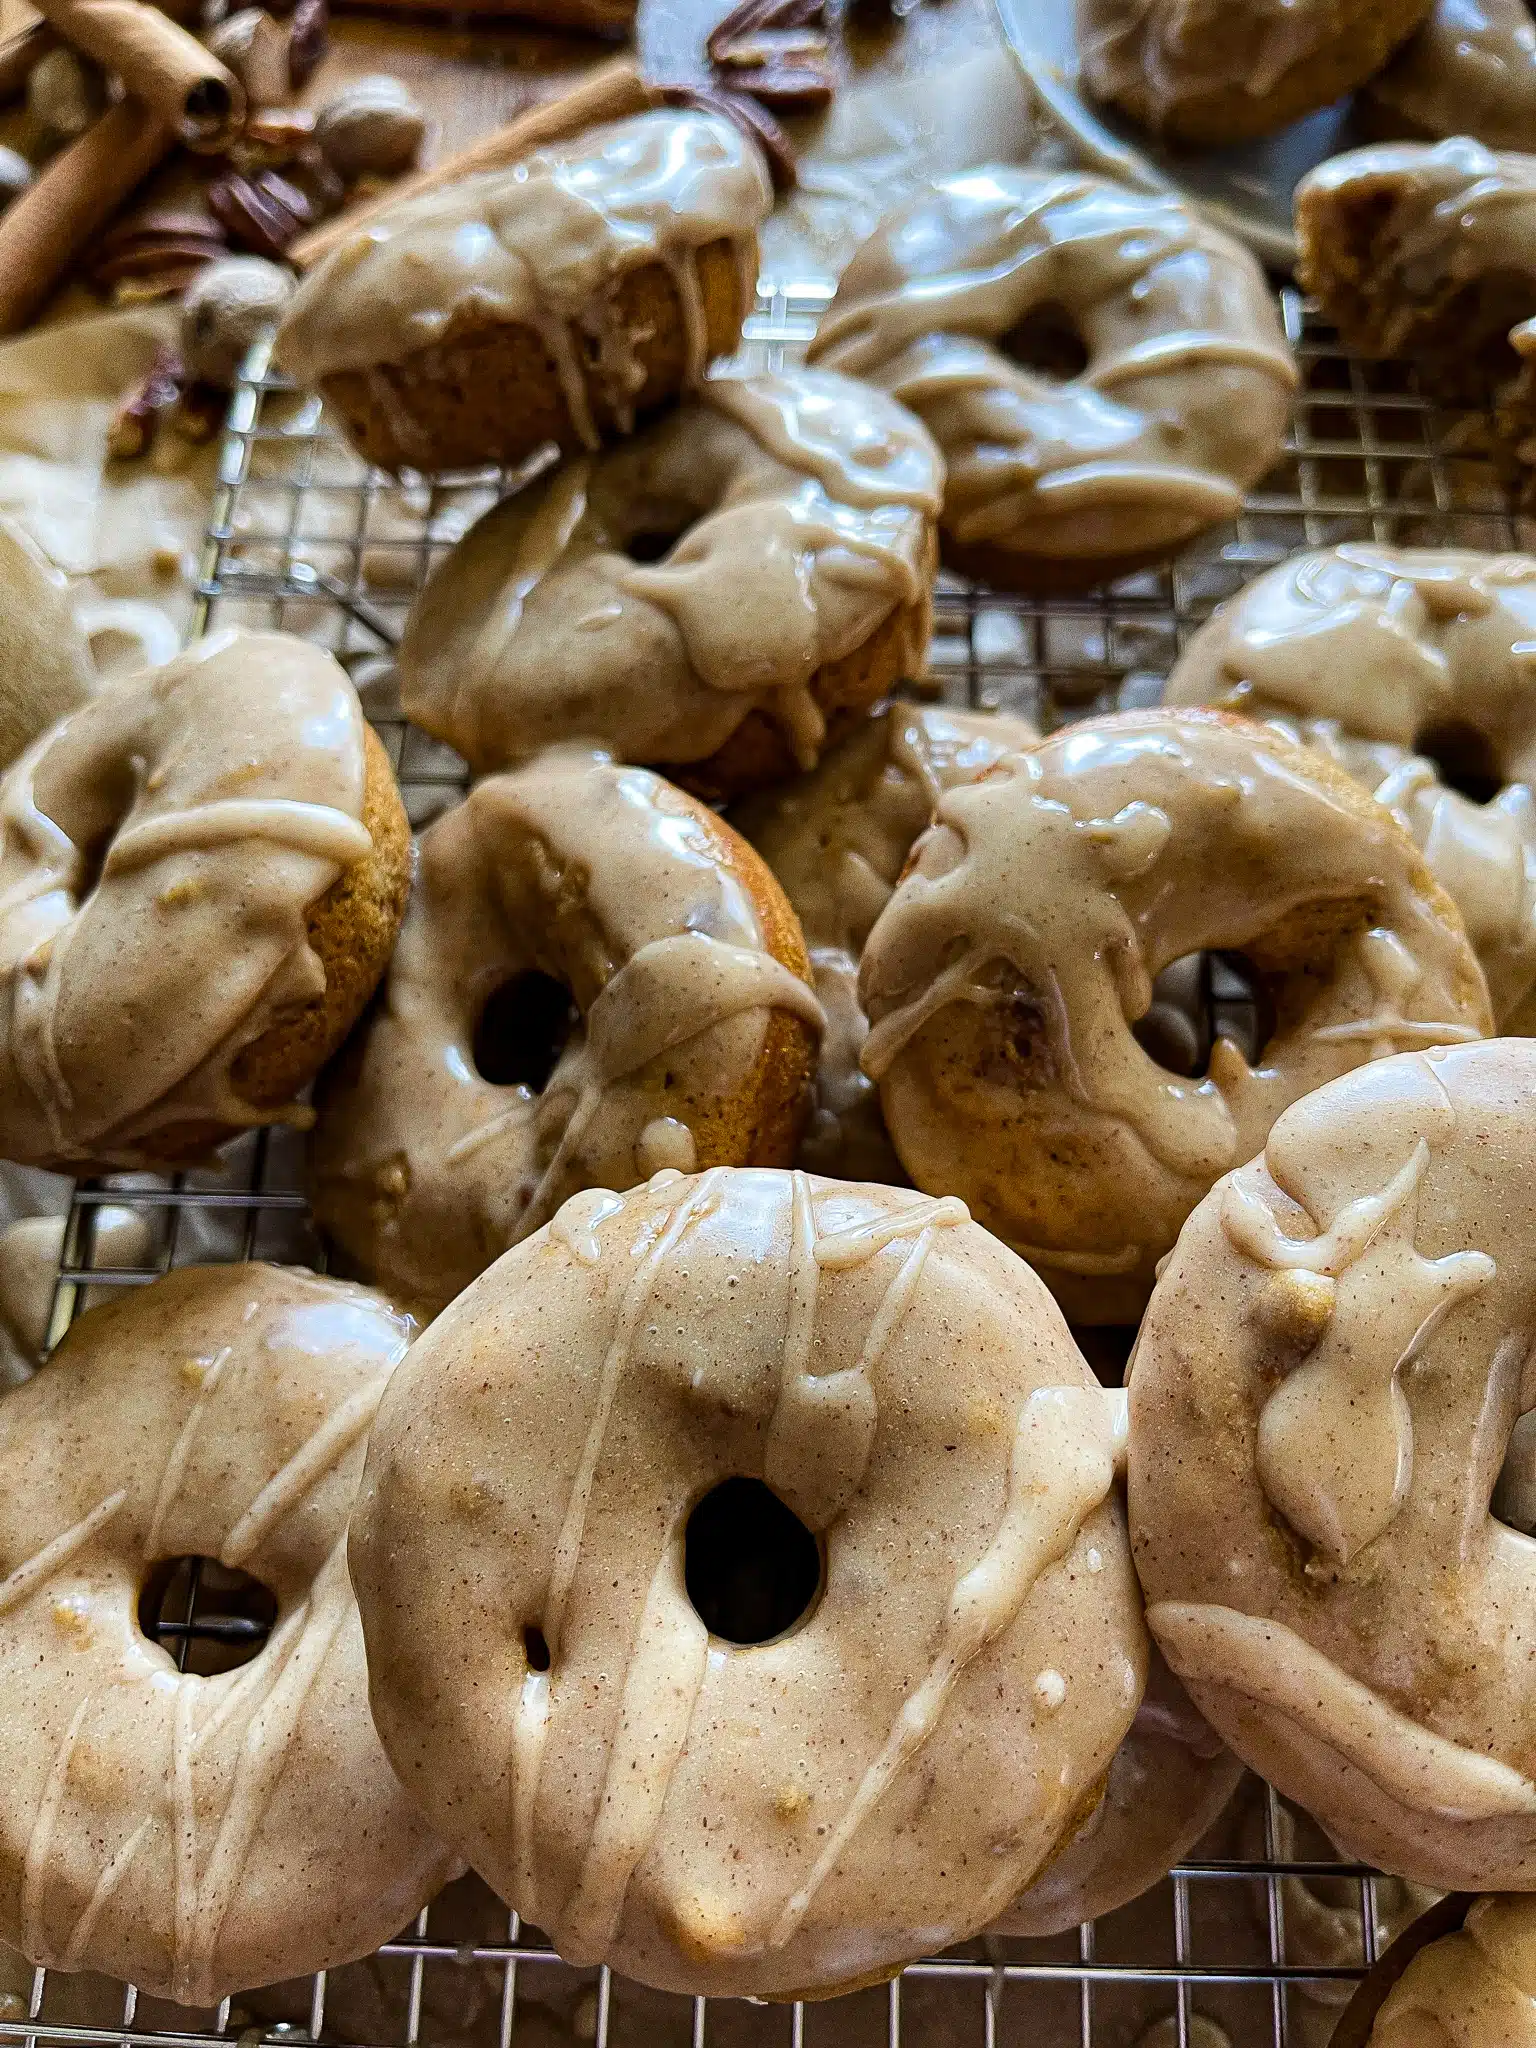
<point x="1429" y="253"/>
<point x="560" y="298"/>
<point x="1321" y="1398"/>
<point x="1003" y="979"/>
<point x="1067" y="471"/>
<point x="202" y="871"/>
<point x="655" y="984"/>
<point x="807" y="1802"/>
<point x="197" y="1834"/>
<point x="45" y="659"/>
<point x="1408" y="651"/>
<point x="1469" y="70"/>
<point x="1211" y="72"/>
<point x="1462" y="1977"/>
<point x="722" y="595"/>
<point x="837" y="840"/>
<point x="1169" y="1782"/>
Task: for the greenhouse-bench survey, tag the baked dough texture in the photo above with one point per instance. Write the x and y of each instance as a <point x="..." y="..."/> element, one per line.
<point x="202" y="872"/>
<point x="196" y="1835"/>
<point x="1326" y="1394"/>
<point x="1374" y="654"/>
<point x="720" y="596"/>
<point x="1003" y="979"/>
<point x="558" y="298"/>
<point x="690" y="1044"/>
<point x="1079" y="468"/>
<point x="1222" y="71"/>
<point x="807" y="1813"/>
<point x="837" y="840"/>
<point x="1469" y="70"/>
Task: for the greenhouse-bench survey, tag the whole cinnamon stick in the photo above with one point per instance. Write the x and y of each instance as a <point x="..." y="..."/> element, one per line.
<point x="46" y="228"/>
<point x="610" y="92"/>
<point x="20" y="56"/>
<point x="160" y="63"/>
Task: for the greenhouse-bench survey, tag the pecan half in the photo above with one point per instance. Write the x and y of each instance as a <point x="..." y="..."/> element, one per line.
<point x="133" y="424"/>
<point x="753" y="16"/>
<point x="255" y="218"/>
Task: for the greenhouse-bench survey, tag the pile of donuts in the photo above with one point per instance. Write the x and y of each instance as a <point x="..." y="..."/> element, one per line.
<point x="695" y="1512"/>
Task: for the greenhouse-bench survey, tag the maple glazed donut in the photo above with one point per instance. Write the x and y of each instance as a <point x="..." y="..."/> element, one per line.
<point x="1463" y="1976"/>
<point x="1002" y="1037"/>
<point x="1175" y="403"/>
<point x="837" y="840"/>
<point x="720" y="596"/>
<point x="560" y="298"/>
<point x="196" y="1835"/>
<point x="1388" y="656"/>
<point x="1469" y="70"/>
<point x="202" y="872"/>
<point x="805" y="1804"/>
<point x="1326" y="1395"/>
<point x="1211" y="72"/>
<point x="654" y="985"/>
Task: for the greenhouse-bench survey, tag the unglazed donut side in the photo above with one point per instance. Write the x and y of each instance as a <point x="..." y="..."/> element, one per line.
<point x="1322" y="1397"/>
<point x="791" y="1817"/>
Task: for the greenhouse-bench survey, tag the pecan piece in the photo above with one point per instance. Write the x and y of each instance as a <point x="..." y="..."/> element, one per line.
<point x="753" y="16"/>
<point x="253" y="217"/>
<point x="788" y="88"/>
<point x="309" y="38"/>
<point x="133" y="424"/>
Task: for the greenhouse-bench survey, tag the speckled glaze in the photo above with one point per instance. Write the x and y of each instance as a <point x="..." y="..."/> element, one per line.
<point x="1328" y="1387"/>
<point x="1368" y="653"/>
<point x="197" y="1835"/>
<point x="1003" y="979"/>
<point x="1475" y="1988"/>
<point x="837" y="840"/>
<point x="1180" y="408"/>
<point x="810" y="1812"/>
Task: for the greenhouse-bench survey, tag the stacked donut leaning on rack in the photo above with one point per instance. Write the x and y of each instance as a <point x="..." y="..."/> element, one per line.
<point x="750" y="1088"/>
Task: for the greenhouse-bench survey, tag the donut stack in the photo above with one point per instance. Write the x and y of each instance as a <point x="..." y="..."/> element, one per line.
<point x="697" y="1515"/>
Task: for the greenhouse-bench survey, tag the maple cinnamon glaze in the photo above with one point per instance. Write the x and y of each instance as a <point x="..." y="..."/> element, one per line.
<point x="1473" y="1988"/>
<point x="877" y="1781"/>
<point x="1182" y="402"/>
<point x="719" y="595"/>
<point x="683" y="1036"/>
<point x="202" y="871"/>
<point x="197" y="1835"/>
<point x="1329" y="1385"/>
<point x="1372" y="653"/>
<point x="526" y="276"/>
<point x="1469" y="70"/>
<point x="1003" y="979"/>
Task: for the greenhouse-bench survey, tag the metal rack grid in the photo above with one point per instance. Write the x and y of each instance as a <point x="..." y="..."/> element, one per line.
<point x="1259" y="1937"/>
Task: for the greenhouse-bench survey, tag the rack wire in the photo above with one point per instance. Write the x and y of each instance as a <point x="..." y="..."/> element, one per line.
<point x="1256" y="1939"/>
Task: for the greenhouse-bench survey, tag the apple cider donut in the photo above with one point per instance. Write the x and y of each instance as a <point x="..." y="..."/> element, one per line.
<point x="559" y="298"/>
<point x="1469" y="70"/>
<point x="196" y="1835"/>
<point x="1164" y="382"/>
<point x="721" y="596"/>
<point x="1392" y="659"/>
<point x="1004" y="979"/>
<point x="1326" y="1393"/>
<point x="639" y="984"/>
<point x="202" y="872"/>
<point x="837" y="840"/>
<point x="774" y="1521"/>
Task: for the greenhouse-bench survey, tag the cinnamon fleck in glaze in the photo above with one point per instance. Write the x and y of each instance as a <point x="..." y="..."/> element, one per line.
<point x="689" y="1042"/>
<point x="1475" y="1988"/>
<point x="1327" y="1389"/>
<point x="793" y="512"/>
<point x="1181" y="405"/>
<point x="196" y="1835"/>
<point x="1371" y="653"/>
<point x="161" y="849"/>
<point x="540" y="243"/>
<point x="837" y="840"/>
<point x="796" y="1814"/>
<point x="1003" y="979"/>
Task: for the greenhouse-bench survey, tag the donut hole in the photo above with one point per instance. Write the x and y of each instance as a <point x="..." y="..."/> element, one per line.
<point x="522" y="1030"/>
<point x="752" y="1568"/>
<point x="1048" y="341"/>
<point x="1514" y="1492"/>
<point x="1463" y="758"/>
<point x="536" y="1648"/>
<point x="1198" y="999"/>
<point x="653" y="544"/>
<point x="208" y="1617"/>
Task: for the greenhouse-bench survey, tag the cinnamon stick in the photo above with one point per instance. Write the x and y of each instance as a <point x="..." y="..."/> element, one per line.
<point x="44" y="230"/>
<point x="160" y="63"/>
<point x="20" y="56"/>
<point x="610" y="92"/>
<point x="599" y="17"/>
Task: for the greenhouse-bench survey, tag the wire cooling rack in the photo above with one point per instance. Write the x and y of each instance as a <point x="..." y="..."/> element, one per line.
<point x="1254" y="1942"/>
